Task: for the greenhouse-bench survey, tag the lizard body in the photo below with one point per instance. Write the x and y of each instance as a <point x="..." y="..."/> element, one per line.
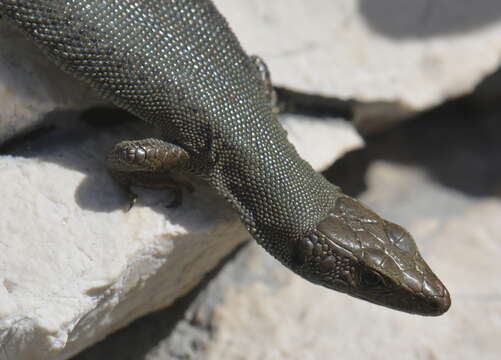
<point x="177" y="65"/>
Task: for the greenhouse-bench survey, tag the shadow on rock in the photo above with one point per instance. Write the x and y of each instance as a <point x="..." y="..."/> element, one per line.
<point x="63" y="139"/>
<point x="458" y="145"/>
<point x="427" y="18"/>
<point x="80" y="142"/>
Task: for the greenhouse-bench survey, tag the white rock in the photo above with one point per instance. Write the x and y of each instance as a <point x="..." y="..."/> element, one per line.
<point x="258" y="308"/>
<point x="427" y="175"/>
<point x="74" y="266"/>
<point x="419" y="53"/>
<point x="31" y="87"/>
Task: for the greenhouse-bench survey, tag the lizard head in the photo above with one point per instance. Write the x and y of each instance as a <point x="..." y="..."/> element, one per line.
<point x="355" y="251"/>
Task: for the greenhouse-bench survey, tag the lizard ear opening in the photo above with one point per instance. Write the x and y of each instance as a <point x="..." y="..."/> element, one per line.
<point x="303" y="248"/>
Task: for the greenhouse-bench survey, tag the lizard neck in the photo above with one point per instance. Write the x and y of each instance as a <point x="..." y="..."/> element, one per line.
<point x="278" y="195"/>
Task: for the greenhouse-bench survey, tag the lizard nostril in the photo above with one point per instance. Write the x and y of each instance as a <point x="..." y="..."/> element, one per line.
<point x="440" y="305"/>
<point x="438" y="299"/>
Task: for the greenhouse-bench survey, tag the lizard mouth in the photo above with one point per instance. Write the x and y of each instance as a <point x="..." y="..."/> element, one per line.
<point x="437" y="300"/>
<point x="434" y="300"/>
<point x="438" y="305"/>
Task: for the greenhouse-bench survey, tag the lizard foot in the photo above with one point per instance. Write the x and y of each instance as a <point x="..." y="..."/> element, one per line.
<point x="149" y="163"/>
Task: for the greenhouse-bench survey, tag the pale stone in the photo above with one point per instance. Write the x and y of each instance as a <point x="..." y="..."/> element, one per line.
<point x="419" y="53"/>
<point x="31" y="87"/>
<point x="277" y="315"/>
<point x="439" y="177"/>
<point x="74" y="266"/>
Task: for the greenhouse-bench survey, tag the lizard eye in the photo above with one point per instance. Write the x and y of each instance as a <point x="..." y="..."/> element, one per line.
<point x="371" y="279"/>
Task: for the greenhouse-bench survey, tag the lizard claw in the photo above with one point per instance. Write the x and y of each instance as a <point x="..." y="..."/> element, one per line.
<point x="132" y="199"/>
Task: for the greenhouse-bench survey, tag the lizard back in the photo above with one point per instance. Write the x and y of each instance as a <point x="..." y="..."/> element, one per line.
<point x="174" y="63"/>
<point x="177" y="65"/>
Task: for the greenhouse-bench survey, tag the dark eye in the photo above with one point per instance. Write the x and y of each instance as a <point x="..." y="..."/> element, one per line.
<point x="302" y="250"/>
<point x="371" y="279"/>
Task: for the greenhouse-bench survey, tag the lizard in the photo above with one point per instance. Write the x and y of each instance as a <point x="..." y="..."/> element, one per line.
<point x="177" y="65"/>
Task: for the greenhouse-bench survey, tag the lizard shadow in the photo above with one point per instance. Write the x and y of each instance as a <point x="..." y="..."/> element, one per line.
<point x="63" y="139"/>
<point x="458" y="144"/>
<point x="79" y="142"/>
<point x="427" y="18"/>
<point x="446" y="141"/>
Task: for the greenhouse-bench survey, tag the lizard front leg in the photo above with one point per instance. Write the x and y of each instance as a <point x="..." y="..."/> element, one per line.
<point x="150" y="163"/>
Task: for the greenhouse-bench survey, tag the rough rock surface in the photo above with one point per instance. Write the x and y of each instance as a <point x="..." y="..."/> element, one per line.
<point x="74" y="266"/>
<point x="420" y="52"/>
<point x="368" y="50"/>
<point x="31" y="87"/>
<point x="439" y="176"/>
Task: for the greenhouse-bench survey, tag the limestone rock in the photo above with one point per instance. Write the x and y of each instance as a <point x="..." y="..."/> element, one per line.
<point x="74" y="266"/>
<point x="439" y="177"/>
<point x="31" y="87"/>
<point x="419" y="53"/>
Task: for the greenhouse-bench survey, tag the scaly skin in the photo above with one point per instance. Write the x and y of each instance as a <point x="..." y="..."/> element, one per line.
<point x="178" y="66"/>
